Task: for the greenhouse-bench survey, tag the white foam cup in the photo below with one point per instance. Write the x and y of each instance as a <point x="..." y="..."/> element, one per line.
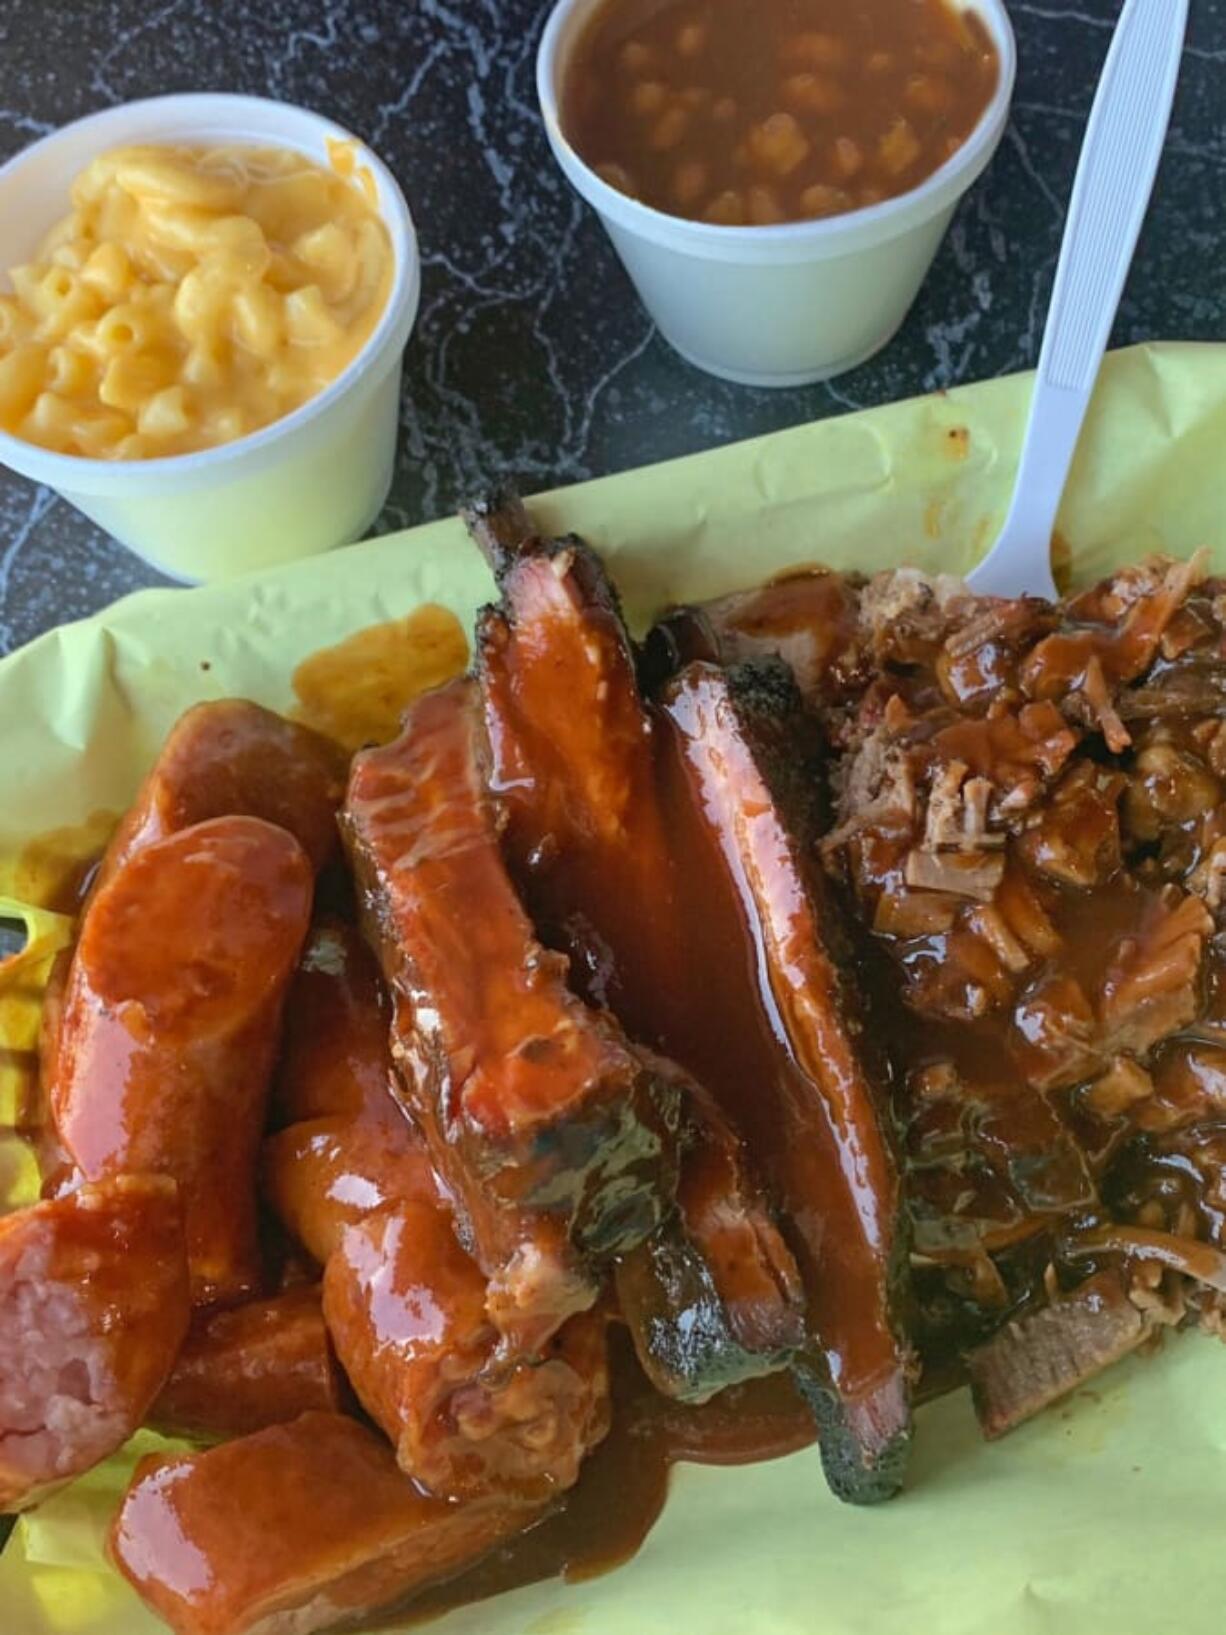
<point x="778" y="306"/>
<point x="313" y="480"/>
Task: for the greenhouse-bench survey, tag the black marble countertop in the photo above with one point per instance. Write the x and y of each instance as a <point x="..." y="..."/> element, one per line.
<point x="531" y="354"/>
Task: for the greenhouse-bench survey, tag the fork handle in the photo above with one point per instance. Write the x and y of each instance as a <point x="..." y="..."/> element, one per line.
<point x="1119" y="161"/>
<point x="1115" y="177"/>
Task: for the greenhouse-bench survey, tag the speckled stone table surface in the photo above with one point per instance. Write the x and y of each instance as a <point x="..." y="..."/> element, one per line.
<point x="531" y="355"/>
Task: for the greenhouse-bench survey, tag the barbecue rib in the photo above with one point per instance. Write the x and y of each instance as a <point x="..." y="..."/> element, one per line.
<point x="571" y="766"/>
<point x="789" y="1061"/>
<point x="555" y="1139"/>
<point x="714" y="1296"/>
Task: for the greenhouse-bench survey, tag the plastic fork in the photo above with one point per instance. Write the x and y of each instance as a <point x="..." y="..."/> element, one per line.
<point x="1115" y="177"/>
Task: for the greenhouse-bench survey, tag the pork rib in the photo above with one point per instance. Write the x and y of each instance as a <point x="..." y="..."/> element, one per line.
<point x="714" y="1296"/>
<point x="572" y="771"/>
<point x="411" y="1314"/>
<point x="531" y="1101"/>
<point x="789" y="1062"/>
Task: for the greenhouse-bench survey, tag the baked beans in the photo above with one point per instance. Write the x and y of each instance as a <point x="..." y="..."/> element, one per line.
<point x="753" y="112"/>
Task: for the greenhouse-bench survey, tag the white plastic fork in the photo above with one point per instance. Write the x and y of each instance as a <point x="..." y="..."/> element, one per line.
<point x="1115" y="177"/>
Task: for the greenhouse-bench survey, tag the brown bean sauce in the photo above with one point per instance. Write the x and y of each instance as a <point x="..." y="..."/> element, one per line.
<point x="743" y="113"/>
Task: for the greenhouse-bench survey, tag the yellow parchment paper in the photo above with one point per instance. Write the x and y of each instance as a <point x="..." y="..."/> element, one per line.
<point x="1107" y="1515"/>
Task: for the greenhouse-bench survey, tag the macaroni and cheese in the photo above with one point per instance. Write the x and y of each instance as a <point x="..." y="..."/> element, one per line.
<point x="193" y="295"/>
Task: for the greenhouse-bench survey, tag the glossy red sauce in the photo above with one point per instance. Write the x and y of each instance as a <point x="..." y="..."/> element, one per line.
<point x="723" y="973"/>
<point x="730" y="1024"/>
<point x="624" y="1484"/>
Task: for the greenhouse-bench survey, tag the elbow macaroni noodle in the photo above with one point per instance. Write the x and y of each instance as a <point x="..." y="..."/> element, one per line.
<point x="193" y="295"/>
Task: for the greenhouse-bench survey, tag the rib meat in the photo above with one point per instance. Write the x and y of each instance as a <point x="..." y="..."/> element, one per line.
<point x="571" y="769"/>
<point x="775" y="1031"/>
<point x="327" y="1531"/>
<point x="714" y="1296"/>
<point x="554" y="1138"/>
<point x="93" y="1310"/>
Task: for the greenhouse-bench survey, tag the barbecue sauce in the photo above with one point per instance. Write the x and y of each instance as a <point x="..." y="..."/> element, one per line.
<point x="55" y="869"/>
<point x="604" y="1520"/>
<point x="631" y="864"/>
<point x="357" y="691"/>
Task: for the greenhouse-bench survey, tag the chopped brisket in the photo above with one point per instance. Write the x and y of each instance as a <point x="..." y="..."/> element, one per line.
<point x="1045" y="1354"/>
